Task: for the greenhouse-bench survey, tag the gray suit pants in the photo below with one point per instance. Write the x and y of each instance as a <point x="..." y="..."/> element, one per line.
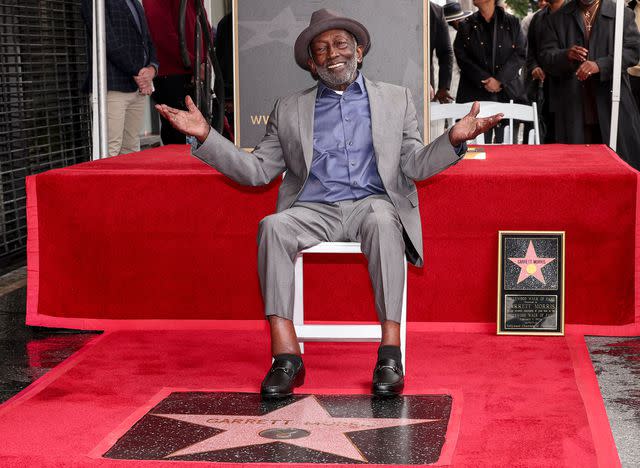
<point x="372" y="221"/>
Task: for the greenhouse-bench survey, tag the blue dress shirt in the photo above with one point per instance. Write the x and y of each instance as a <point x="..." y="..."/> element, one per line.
<point x="344" y="164"/>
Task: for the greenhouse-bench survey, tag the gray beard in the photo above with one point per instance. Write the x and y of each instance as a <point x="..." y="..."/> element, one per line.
<point x="335" y="80"/>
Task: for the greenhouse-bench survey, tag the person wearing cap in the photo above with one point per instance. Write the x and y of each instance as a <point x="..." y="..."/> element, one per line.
<point x="350" y="149"/>
<point x="453" y="13"/>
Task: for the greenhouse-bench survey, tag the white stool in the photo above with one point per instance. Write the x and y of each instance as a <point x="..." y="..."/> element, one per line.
<point x="321" y="332"/>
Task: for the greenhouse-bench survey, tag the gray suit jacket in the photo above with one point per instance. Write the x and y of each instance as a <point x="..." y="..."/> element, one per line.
<point x="400" y="154"/>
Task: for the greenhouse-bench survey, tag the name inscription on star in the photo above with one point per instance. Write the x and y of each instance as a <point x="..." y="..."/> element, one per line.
<point x="531" y="265"/>
<point x="289" y="422"/>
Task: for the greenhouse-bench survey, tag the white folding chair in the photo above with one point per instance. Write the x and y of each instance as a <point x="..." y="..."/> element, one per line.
<point x="339" y="332"/>
<point x="511" y="111"/>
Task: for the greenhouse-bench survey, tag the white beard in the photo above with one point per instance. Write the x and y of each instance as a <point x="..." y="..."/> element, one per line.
<point x="334" y="79"/>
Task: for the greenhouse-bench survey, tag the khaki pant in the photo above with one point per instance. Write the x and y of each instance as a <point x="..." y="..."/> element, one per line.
<point x="125" y="114"/>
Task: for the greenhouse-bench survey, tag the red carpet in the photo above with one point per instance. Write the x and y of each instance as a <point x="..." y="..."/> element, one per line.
<point x="520" y="401"/>
<point x="158" y="235"/>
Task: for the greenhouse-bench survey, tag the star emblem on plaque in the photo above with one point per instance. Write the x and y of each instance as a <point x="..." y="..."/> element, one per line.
<point x="531" y="283"/>
<point x="322" y="429"/>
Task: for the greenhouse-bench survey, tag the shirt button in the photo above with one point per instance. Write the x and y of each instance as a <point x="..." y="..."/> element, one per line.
<point x="354" y="183"/>
<point x="353" y="163"/>
<point x="347" y="119"/>
<point x="350" y="143"/>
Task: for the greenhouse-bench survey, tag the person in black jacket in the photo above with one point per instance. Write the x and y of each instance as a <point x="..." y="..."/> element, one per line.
<point x="490" y="49"/>
<point x="634" y="71"/>
<point x="131" y="66"/>
<point x="440" y="42"/>
<point x="537" y="84"/>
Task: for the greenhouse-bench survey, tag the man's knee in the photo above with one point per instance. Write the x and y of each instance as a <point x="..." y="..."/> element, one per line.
<point x="272" y="226"/>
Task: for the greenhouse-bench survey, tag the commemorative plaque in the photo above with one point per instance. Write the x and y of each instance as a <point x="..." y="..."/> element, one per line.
<point x="531" y="283"/>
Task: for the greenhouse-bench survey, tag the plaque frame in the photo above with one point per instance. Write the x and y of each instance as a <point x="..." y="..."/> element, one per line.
<point x="540" y="294"/>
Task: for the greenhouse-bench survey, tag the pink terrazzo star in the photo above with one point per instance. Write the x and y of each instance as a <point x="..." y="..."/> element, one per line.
<point x="531" y="265"/>
<point x="304" y="423"/>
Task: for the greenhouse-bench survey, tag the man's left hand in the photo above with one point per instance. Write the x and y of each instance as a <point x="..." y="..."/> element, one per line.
<point x="538" y="74"/>
<point x="586" y="69"/>
<point x="470" y="126"/>
<point x="146" y="90"/>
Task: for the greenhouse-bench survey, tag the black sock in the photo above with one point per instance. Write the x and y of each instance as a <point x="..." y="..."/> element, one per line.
<point x="294" y="358"/>
<point x="390" y="352"/>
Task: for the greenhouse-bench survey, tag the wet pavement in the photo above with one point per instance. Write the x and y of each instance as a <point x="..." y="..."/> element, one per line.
<point x="616" y="362"/>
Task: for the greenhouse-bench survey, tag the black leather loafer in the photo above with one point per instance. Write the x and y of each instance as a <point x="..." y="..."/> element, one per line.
<point x="388" y="378"/>
<point x="281" y="379"/>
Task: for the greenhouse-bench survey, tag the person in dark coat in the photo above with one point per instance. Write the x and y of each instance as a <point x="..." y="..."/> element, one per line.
<point x="577" y="54"/>
<point x="634" y="72"/>
<point x="174" y="80"/>
<point x="537" y="84"/>
<point x="490" y="49"/>
<point x="440" y="43"/>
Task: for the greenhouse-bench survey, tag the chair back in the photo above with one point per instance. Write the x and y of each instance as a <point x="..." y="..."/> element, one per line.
<point x="511" y="111"/>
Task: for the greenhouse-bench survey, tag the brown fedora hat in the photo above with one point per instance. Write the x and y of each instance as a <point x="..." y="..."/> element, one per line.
<point x="324" y="20"/>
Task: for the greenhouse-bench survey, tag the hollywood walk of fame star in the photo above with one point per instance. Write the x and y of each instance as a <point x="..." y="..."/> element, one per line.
<point x="531" y="264"/>
<point x="283" y="28"/>
<point x="304" y="423"/>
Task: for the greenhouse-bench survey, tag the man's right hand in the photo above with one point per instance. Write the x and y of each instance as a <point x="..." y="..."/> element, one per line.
<point x="190" y="122"/>
<point x="443" y="96"/>
<point x="492" y="85"/>
<point x="577" y="53"/>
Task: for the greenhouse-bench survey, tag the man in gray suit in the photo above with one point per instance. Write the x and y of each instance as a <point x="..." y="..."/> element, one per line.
<point x="351" y="150"/>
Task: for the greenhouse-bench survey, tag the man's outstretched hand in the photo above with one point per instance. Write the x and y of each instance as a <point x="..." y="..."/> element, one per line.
<point x="190" y="122"/>
<point x="470" y="126"/>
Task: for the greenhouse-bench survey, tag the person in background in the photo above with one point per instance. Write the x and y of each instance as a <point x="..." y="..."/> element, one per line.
<point x="131" y="66"/>
<point x="537" y="85"/>
<point x="490" y="49"/>
<point x="224" y="52"/>
<point x="634" y="71"/>
<point x="454" y="15"/>
<point x="577" y="56"/>
<point x="440" y="43"/>
<point x="174" y="81"/>
<point x="536" y="6"/>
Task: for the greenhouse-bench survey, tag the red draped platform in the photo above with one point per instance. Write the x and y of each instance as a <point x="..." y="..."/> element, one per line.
<point x="157" y="236"/>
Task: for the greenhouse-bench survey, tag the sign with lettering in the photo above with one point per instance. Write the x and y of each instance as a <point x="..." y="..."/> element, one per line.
<point x="531" y="283"/>
<point x="265" y="70"/>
